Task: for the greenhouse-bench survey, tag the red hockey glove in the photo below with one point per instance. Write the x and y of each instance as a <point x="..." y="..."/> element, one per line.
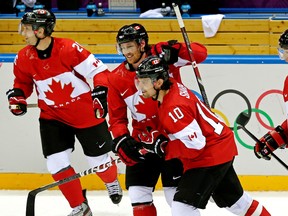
<point x="270" y="142"/>
<point x="17" y="101"/>
<point x="168" y="51"/>
<point x="127" y="149"/>
<point x="99" y="97"/>
<point x="153" y="142"/>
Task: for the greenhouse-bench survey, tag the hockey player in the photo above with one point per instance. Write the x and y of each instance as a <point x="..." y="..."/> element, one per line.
<point x="58" y="69"/>
<point x="203" y="143"/>
<point x="142" y="173"/>
<point x="276" y="138"/>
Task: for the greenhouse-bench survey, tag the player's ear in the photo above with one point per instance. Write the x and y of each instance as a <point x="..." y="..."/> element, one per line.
<point x="40" y="32"/>
<point x="158" y="83"/>
<point x="142" y="45"/>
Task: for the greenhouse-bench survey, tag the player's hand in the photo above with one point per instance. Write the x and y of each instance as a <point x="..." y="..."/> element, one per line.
<point x="99" y="97"/>
<point x="153" y="142"/>
<point x="168" y="51"/>
<point x="127" y="148"/>
<point x="17" y="101"/>
<point x="261" y="151"/>
<point x="270" y="142"/>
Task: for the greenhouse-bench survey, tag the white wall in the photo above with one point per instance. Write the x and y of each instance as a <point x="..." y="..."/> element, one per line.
<point x="20" y="141"/>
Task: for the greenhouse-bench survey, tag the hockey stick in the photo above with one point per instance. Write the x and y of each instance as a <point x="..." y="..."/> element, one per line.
<point x="30" y="205"/>
<point x="18" y="107"/>
<point x="190" y="51"/>
<point x="242" y="120"/>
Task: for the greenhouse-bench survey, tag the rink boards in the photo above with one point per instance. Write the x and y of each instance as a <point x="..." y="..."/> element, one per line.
<point x="232" y="83"/>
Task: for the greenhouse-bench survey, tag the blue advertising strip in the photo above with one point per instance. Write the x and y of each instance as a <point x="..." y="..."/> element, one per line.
<point x="211" y="59"/>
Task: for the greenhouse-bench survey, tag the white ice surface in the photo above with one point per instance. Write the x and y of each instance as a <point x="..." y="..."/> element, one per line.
<point x="52" y="203"/>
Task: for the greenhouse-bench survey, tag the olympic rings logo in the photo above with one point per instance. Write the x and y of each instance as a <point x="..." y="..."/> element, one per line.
<point x="258" y="112"/>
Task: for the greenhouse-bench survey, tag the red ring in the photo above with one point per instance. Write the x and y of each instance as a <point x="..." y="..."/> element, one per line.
<point x="258" y="103"/>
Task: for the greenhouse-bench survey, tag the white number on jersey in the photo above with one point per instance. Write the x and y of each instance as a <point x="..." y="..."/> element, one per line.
<point x="177" y="114"/>
<point x="78" y="46"/>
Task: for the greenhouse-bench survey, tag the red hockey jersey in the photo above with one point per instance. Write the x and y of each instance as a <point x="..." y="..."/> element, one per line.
<point x="198" y="137"/>
<point x="60" y="81"/>
<point x="122" y="94"/>
<point x="285" y="96"/>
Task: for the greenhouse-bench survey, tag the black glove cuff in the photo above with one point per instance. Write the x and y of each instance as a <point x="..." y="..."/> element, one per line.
<point x="117" y="142"/>
<point x="99" y="92"/>
<point x="15" y="92"/>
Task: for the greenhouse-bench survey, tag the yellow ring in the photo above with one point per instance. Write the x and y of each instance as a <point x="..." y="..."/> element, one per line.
<point x="222" y="116"/>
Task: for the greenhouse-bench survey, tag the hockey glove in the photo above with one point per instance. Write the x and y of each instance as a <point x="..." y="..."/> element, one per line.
<point x="99" y="97"/>
<point x="153" y="142"/>
<point x="167" y="51"/>
<point x="17" y="101"/>
<point x="127" y="149"/>
<point x="270" y="142"/>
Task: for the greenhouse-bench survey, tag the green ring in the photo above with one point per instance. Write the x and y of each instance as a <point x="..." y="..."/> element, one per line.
<point x="236" y="131"/>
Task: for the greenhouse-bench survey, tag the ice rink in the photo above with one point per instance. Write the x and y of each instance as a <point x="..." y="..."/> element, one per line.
<point x="52" y="203"/>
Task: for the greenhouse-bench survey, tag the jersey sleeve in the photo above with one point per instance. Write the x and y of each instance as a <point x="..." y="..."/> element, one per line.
<point x="199" y="52"/>
<point x="117" y="110"/>
<point x="284" y="125"/>
<point x="185" y="134"/>
<point x="82" y="61"/>
<point x="22" y="79"/>
<point x="101" y="79"/>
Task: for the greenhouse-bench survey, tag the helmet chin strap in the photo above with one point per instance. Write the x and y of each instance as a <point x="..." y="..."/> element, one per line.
<point x="142" y="52"/>
<point x="155" y="97"/>
<point x="38" y="39"/>
<point x="130" y="65"/>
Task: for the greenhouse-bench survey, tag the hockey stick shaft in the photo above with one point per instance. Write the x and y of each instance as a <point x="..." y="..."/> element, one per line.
<point x="191" y="56"/>
<point x="28" y="106"/>
<point x="241" y="120"/>
<point x="30" y="205"/>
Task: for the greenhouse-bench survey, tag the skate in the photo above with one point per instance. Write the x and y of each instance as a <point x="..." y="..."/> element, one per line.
<point x="81" y="210"/>
<point x="114" y="191"/>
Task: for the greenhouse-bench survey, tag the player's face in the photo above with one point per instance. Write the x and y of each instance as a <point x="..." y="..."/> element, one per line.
<point x="132" y="51"/>
<point x="283" y="54"/>
<point x="26" y="31"/>
<point x="146" y="86"/>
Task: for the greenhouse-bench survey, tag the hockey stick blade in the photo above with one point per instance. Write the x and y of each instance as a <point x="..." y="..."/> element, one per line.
<point x="242" y="119"/>
<point x="30" y="205"/>
<point x="190" y="52"/>
<point x="242" y="122"/>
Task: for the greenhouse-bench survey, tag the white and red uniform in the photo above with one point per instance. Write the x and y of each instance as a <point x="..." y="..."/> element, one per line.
<point x="142" y="178"/>
<point x="284" y="125"/>
<point x="198" y="137"/>
<point x="206" y="147"/>
<point x="123" y="93"/>
<point x="60" y="81"/>
<point x="65" y="101"/>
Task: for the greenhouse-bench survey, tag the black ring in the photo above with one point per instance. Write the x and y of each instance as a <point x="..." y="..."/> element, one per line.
<point x="249" y="108"/>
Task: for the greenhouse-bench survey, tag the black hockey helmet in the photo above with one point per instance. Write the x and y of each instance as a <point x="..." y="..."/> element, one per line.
<point x="153" y="67"/>
<point x="134" y="32"/>
<point x="40" y="18"/>
<point x="283" y="40"/>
